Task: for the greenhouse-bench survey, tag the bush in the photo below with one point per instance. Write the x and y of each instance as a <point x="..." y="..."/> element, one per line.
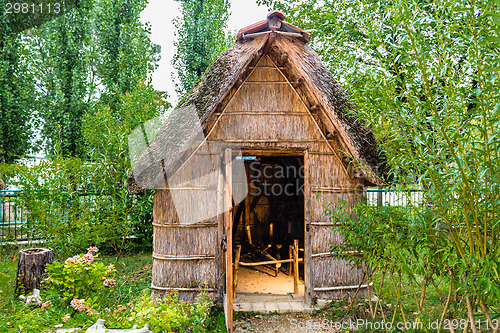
<point x="170" y="314"/>
<point x="80" y="276"/>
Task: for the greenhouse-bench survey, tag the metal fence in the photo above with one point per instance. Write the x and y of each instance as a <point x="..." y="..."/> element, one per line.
<point x="380" y="197"/>
<point x="13" y="218"/>
<point x="15" y="224"/>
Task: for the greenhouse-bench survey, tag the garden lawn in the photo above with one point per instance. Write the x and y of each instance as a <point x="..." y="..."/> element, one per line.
<point x="133" y="276"/>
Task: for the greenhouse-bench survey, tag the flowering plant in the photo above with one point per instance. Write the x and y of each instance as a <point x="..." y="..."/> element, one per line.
<point x="80" y="276"/>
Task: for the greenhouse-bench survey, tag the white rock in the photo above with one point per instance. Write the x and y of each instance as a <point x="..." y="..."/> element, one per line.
<point x="33" y="298"/>
<point x="100" y="328"/>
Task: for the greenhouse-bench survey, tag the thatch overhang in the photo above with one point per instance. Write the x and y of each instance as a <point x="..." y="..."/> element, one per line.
<point x="324" y="96"/>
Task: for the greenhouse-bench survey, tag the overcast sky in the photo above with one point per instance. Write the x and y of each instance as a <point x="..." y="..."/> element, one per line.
<point x="160" y="13"/>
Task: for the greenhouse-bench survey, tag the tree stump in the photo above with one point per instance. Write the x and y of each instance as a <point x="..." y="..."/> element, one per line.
<point x="31" y="269"/>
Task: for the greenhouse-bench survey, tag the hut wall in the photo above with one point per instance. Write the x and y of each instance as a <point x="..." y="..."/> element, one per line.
<point x="186" y="255"/>
<point x="330" y="186"/>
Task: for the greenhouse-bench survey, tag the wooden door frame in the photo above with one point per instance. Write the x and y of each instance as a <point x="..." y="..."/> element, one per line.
<point x="297" y="152"/>
<point x="228" y="232"/>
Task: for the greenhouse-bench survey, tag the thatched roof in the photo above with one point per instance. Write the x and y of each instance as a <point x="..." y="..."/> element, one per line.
<point x="2" y="185"/>
<point x="183" y="129"/>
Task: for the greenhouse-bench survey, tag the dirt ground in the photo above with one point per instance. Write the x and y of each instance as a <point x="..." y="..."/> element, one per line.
<point x="260" y="280"/>
<point x="284" y="323"/>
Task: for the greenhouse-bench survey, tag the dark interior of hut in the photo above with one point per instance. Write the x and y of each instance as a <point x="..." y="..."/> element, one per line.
<point x="268" y="224"/>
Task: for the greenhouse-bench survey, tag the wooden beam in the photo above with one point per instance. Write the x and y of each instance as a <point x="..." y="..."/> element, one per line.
<point x="314" y="107"/>
<point x="333" y="254"/>
<point x="265" y="113"/>
<point x="277" y="263"/>
<point x="268" y="262"/>
<point x="265" y="82"/>
<point x="359" y="175"/>
<point x="343" y="287"/>
<point x="333" y="189"/>
<point x="236" y="268"/>
<point x="308" y="271"/>
<point x="293" y="35"/>
<point x="182" y="289"/>
<point x="228" y="224"/>
<point x="268" y="141"/>
<point x="282" y="59"/>
<point x="297" y="83"/>
<point x="248" y="231"/>
<point x="204" y="188"/>
<point x="191" y="257"/>
<point x="184" y="225"/>
<point x="331" y="135"/>
<point x="270" y="41"/>
<point x="295" y="266"/>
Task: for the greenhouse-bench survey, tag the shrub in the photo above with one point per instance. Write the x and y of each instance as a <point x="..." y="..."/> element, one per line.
<point x="80" y="277"/>
<point x="170" y="314"/>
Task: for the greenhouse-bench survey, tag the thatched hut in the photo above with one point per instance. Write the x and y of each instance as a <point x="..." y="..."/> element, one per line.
<point x="268" y="102"/>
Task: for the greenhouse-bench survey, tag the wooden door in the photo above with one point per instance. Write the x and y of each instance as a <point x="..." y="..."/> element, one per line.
<point x="228" y="236"/>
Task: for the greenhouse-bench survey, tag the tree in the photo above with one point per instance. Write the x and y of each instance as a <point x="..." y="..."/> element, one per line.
<point x="125" y="54"/>
<point x="96" y="51"/>
<point x="201" y="37"/>
<point x="16" y="94"/>
<point x="60" y="61"/>
<point x="106" y="133"/>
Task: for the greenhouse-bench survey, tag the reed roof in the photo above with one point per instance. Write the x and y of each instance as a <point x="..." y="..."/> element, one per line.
<point x="336" y="111"/>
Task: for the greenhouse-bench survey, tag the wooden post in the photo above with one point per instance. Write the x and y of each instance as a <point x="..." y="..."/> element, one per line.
<point x="236" y="268"/>
<point x="247" y="219"/>
<point x="290" y="256"/>
<point x="228" y="214"/>
<point x="31" y="269"/>
<point x="295" y="266"/>
<point x="308" y="276"/>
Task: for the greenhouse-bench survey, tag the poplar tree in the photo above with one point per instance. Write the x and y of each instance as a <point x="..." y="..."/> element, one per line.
<point x="201" y="32"/>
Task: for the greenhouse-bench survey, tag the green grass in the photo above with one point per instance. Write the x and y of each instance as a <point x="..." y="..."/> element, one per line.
<point x="133" y="276"/>
<point x="337" y="311"/>
<point x="127" y="304"/>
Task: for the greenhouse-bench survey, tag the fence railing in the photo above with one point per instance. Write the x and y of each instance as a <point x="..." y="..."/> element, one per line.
<point x="15" y="224"/>
<point x="380" y="197"/>
<point x="13" y="218"/>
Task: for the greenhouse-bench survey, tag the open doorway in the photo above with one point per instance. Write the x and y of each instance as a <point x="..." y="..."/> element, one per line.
<point x="268" y="229"/>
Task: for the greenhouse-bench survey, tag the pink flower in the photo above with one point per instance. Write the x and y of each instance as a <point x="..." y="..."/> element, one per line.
<point x="45" y="305"/>
<point x="91" y="312"/>
<point x="111" y="268"/>
<point x="107" y="309"/>
<point x="66" y="318"/>
<point x="120" y="309"/>
<point x="93" y="249"/>
<point x="72" y="259"/>
<point x="88" y="258"/>
<point x="109" y="282"/>
<point x="79" y="305"/>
